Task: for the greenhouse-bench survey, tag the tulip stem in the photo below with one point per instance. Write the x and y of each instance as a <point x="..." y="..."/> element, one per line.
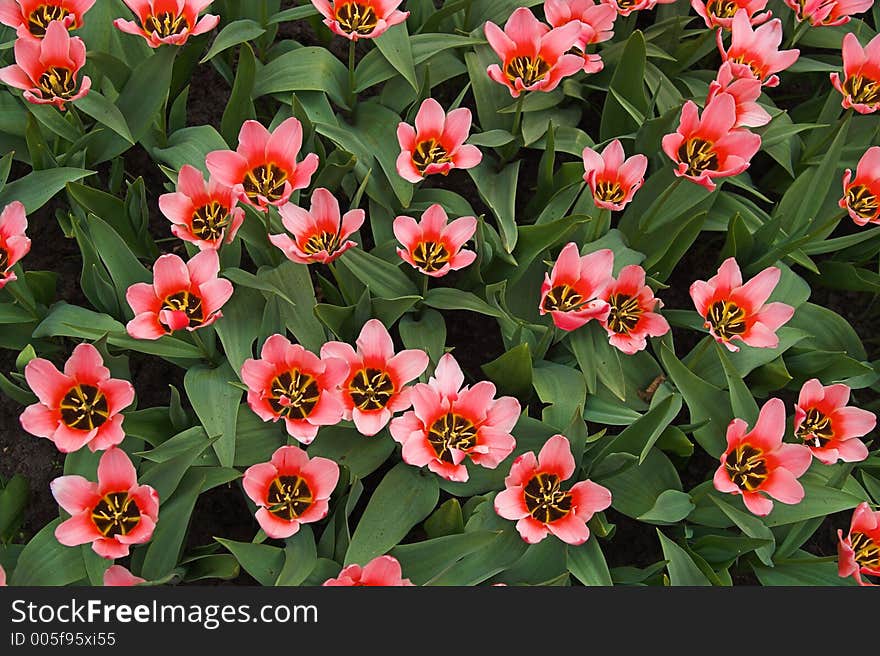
<point x="648" y="219"/>
<point x="424" y="286"/>
<point x="517" y="117"/>
<point x="352" y="96"/>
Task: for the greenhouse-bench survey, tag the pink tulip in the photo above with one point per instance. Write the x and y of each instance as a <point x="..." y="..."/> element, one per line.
<point x="828" y="12"/>
<point x="167" y="21"/>
<point x="434" y="245"/>
<point x="859" y="552"/>
<point x="31" y="18"/>
<point x="597" y="25"/>
<point x="572" y="291"/>
<point x="632" y="317"/>
<point x="720" y="13"/>
<point x="758" y="50"/>
<point x="861" y="195"/>
<point x="381" y="571"/>
<point x="613" y="179"/>
<point x="861" y="75"/>
<point x="14" y="243"/>
<point x="360" y="19"/>
<point x="831" y="429"/>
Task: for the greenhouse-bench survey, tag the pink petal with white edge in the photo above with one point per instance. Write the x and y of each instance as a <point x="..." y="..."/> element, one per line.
<point x="86" y="365"/>
<point x="115" y="472"/>
<point x="783" y="486"/>
<point x="722" y="481"/>
<point x="79" y="529"/>
<point x="590" y="498"/>
<point x="276" y="527"/>
<point x="757" y="504"/>
<point x="374" y="342"/>
<point x="854" y="422"/>
<point x="770" y="427"/>
<point x="556" y="458"/>
<point x="118" y="576"/>
<point x="39" y="420"/>
<point x="322" y="475"/>
<point x="75" y="494"/>
<point x="448" y="377"/>
<point x="510" y="504"/>
<point x="256" y="481"/>
<point x="370" y="423"/>
<point x="570" y="530"/>
<point x="49" y="384"/>
<point x="531" y="530"/>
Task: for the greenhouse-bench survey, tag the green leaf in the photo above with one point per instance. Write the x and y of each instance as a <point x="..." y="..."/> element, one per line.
<point x="512" y="371"/>
<point x="427" y="332"/>
<point x="46" y="562"/>
<point x="36" y="188"/>
<point x="174" y="517"/>
<point x="424" y="561"/>
<point x="446" y="520"/>
<point x="346" y="446"/>
<point x="240" y="327"/>
<point x="294" y="280"/>
<point x="741" y="400"/>
<point x="106" y="113"/>
<point x="683" y="571"/>
<point x="261" y="561"/>
<point x="498" y="190"/>
<point x="448" y="298"/>
<point x="213" y="566"/>
<point x="819" y="500"/>
<point x="638" y="438"/>
<point x="300" y="557"/>
<point x="240" y="31"/>
<point x="190" y="146"/>
<point x="672" y="506"/>
<point x="751" y="526"/>
<point x="216" y="403"/>
<point x="240" y="107"/>
<point x="404" y="498"/>
<point x="394" y="45"/>
<point x="587" y="563"/>
<point x="376" y="128"/>
<point x="802" y="573"/>
<point x="382" y="278"/>
<point x="628" y="85"/>
<point x="304" y="69"/>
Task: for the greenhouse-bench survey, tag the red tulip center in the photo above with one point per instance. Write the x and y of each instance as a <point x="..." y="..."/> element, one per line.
<point x="40" y="18"/>
<point x="321" y="242"/>
<point x="166" y="24"/>
<point x="188" y="303"/>
<point x="867" y="551"/>
<point x="861" y="201"/>
<point x="726" y="319"/>
<point x="722" y="8"/>
<point x="354" y="18"/>
<point x="116" y="514"/>
<point x="746" y="467"/>
<point x="428" y="152"/>
<point x="451" y="431"/>
<point x="294" y="394"/>
<point x="545" y="501"/>
<point x="371" y="389"/>
<point x="755" y="67"/>
<point x="209" y="221"/>
<point x="57" y="82"/>
<point x="528" y="69"/>
<point x="626" y="4"/>
<point x="266" y="180"/>
<point x="862" y="90"/>
<point x="289" y="497"/>
<point x="609" y="191"/>
<point x="563" y="298"/>
<point x="431" y="256"/>
<point x="625" y="313"/>
<point x="84" y="407"/>
<point x="699" y="156"/>
<point x="816" y="429"/>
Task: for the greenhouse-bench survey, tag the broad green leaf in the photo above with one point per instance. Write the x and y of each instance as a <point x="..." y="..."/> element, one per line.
<point x="240" y="106"/>
<point x="394" y="45"/>
<point x="304" y="69"/>
<point x="300" y="557"/>
<point x="498" y="190"/>
<point x="512" y="371"/>
<point x="240" y="31"/>
<point x="46" y="562"/>
<point x="174" y="516"/>
<point x="672" y="506"/>
<point x="106" y="113"/>
<point x="383" y="278"/>
<point x="449" y="298"/>
<point x="346" y="446"/>
<point x="628" y="87"/>
<point x="36" y="188"/>
<point x="424" y="561"/>
<point x="751" y="526"/>
<point x="683" y="571"/>
<point x="587" y="563"/>
<point x="216" y="403"/>
<point x="261" y="561"/>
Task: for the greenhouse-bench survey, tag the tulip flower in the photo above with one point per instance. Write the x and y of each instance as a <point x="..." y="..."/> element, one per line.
<point x="31" y="18"/>
<point x="626" y="7"/>
<point x="450" y="422"/>
<point x="290" y="490"/>
<point x="81" y="406"/>
<point x="631" y="318"/>
<point x="202" y="214"/>
<point x="48" y="69"/>
<point x="183" y="295"/>
<point x="708" y="146"/>
<point x="375" y="387"/>
<point x="720" y="13"/>
<point x="433" y="245"/>
<point x="571" y="293"/>
<point x="290" y="383"/>
<point x="436" y="144"/>
<point x="613" y="179"/>
<point x="859" y="552"/>
<point x="734" y="311"/>
<point x="828" y="12"/>
<point x="113" y="513"/>
<point x="264" y="168"/>
<point x="2" y="577"/>
<point x="831" y="429"/>
<point x="597" y="25"/>
<point x="758" y="49"/>
<point x="757" y="462"/>
<point x="360" y="19"/>
<point x="14" y="244"/>
<point x="745" y="90"/>
<point x="381" y="571"/>
<point x="861" y="75"/>
<point x="534" y="498"/>
<point x="320" y="234"/>
<point x="117" y="576"/>
<point x="167" y="21"/>
<point x="533" y="57"/>
<point x="861" y="196"/>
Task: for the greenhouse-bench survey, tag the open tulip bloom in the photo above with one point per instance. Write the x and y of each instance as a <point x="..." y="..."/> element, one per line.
<point x="735" y="312"/>
<point x="113" y="513"/>
<point x="758" y="463"/>
<point x="360" y="19"/>
<point x="48" y="69"/>
<point x="861" y="195"/>
<point x="319" y="234"/>
<point x="572" y="291"/>
<point x="183" y="295"/>
<point x="613" y="179"/>
<point x="170" y="22"/>
<point x="436" y="144"/>
<point x="861" y="75"/>
<point x="745" y="89"/>
<point x="758" y="49"/>
<point x="720" y="13"/>
<point x="707" y="147"/>
<point x="202" y="214"/>
<point x="828" y="12"/>
<point x="534" y="498"/>
<point x="78" y="407"/>
<point x="290" y="490"/>
<point x="631" y="318"/>
<point x="14" y="244"/>
<point x="117" y="576"/>
<point x="290" y="383"/>
<point x="597" y="25"/>
<point x="434" y="245"/>
<point x="31" y="18"/>
<point x="381" y="571"/>
<point x="375" y="387"/>
<point x="263" y="169"/>
<point x="533" y="57"/>
<point x="450" y="422"/>
<point x="859" y="552"/>
<point x="831" y="429"/>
